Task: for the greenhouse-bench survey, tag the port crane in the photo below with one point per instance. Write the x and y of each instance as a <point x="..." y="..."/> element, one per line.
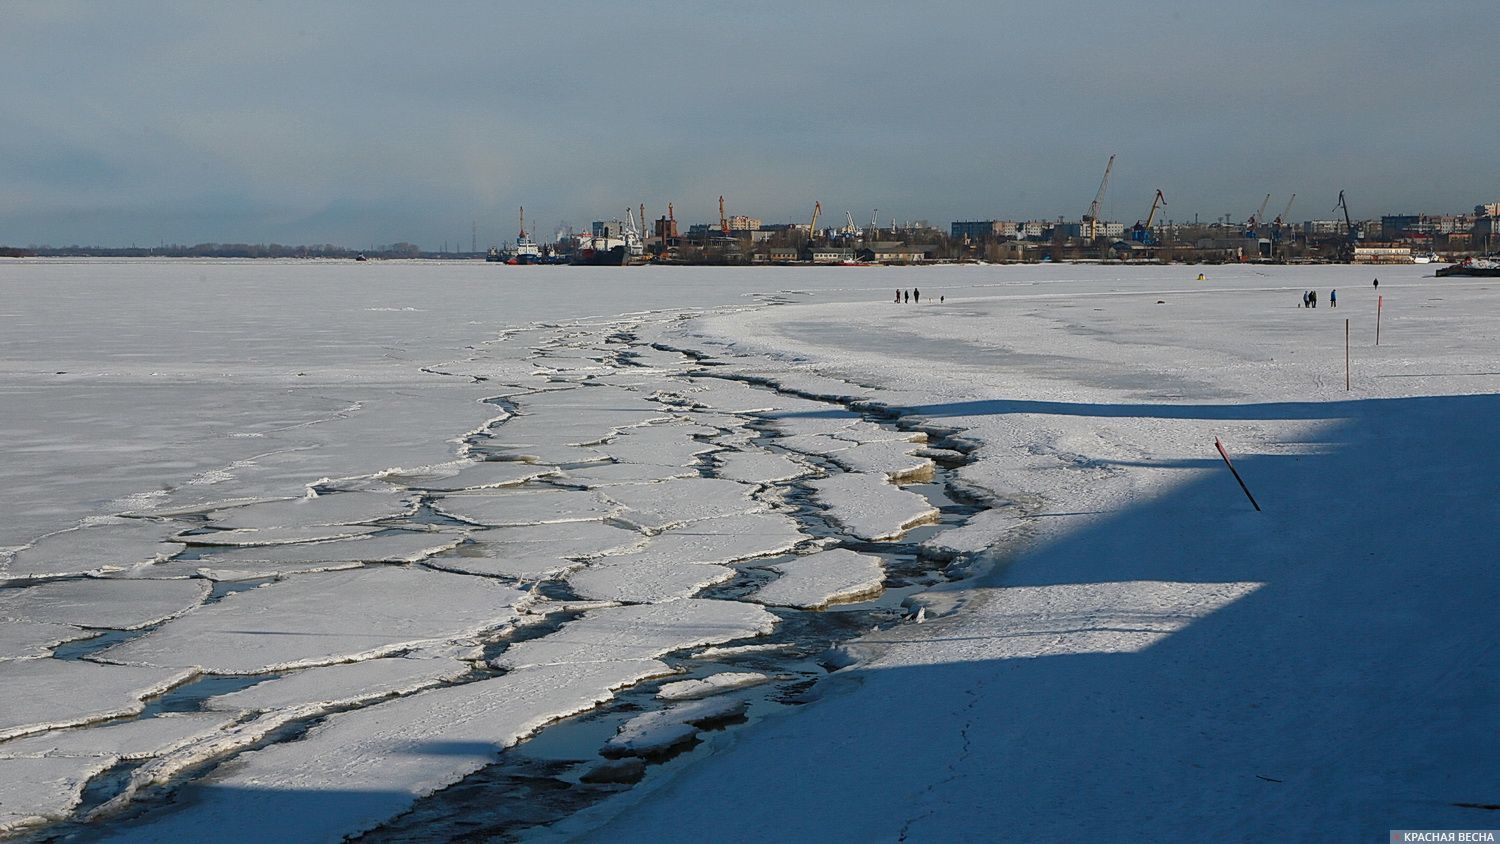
<point x="1348" y="224"/>
<point x="1092" y="218"/>
<point x="1143" y="233"/>
<point x="1281" y="219"/>
<point x="812" y="228"/>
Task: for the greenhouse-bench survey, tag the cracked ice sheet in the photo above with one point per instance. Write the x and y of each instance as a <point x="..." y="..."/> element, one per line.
<point x="249" y="563"/>
<point x="870" y="508"/>
<point x="358" y="769"/>
<point x="671" y="445"/>
<point x="278" y="536"/>
<point x="760" y="467"/>
<point x="103" y="602"/>
<point x="130" y="740"/>
<point x="632" y="579"/>
<point x="667" y="503"/>
<point x="344" y="508"/>
<point x="22" y="639"/>
<point x="113" y="546"/>
<point x="341" y="685"/>
<point x="642" y="632"/>
<point x="40" y="789"/>
<point x="894" y="459"/>
<point x="323" y="618"/>
<point x="40" y="694"/>
<point x="528" y="507"/>
<point x="494" y="473"/>
<point x="817" y="580"/>
<point x="725" y="540"/>
<point x="536" y="551"/>
<point x="612" y="474"/>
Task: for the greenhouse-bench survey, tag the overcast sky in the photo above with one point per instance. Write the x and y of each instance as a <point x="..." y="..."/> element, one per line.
<point x="373" y="122"/>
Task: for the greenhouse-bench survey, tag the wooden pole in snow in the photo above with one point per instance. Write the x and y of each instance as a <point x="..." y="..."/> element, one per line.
<point x="1224" y="454"/>
<point x="1379" y="306"/>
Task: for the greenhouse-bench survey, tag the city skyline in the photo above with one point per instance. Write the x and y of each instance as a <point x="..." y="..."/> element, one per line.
<point x="374" y="123"/>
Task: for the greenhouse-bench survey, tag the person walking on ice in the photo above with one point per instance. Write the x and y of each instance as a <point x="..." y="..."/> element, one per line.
<point x="916" y="296"/>
<point x="1333" y="298"/>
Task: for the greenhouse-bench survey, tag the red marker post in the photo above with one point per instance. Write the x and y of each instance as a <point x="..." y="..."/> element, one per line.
<point x="1224" y="454"/>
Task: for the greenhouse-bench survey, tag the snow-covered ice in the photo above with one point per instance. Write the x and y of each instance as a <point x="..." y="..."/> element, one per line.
<point x="345" y="508"/>
<point x="870" y="508"/>
<point x="342" y="685"/>
<point x="114" y="545"/>
<point x="40" y="694"/>
<point x="360" y="768"/>
<point x="323" y="618"/>
<point x="713" y="684"/>
<point x="662" y="729"/>
<point x="113" y="603"/>
<point x="494" y="473"/>
<point x="760" y="467"/>
<point x="657" y="506"/>
<point x="826" y="577"/>
<point x="525" y="507"/>
<point x="642" y="632"/>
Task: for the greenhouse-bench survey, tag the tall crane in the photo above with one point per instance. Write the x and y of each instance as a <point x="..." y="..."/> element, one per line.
<point x="1093" y="216"/>
<point x="1258" y="216"/>
<point x="1348" y="224"/>
<point x="723" y="220"/>
<point x="812" y="228"/>
<point x="1142" y="232"/>
<point x="523" y="221"/>
<point x="1282" y="217"/>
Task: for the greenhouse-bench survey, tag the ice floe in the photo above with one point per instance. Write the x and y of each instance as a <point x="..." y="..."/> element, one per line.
<point x="341" y="685"/>
<point x="277" y="536"/>
<point x="488" y="474"/>
<point x="613" y="474"/>
<point x="324" y="618"/>
<point x="38" y="789"/>
<point x="638" y="578"/>
<point x="870" y="508"/>
<point x="660" y="505"/>
<point x="826" y="577"/>
<point x="112" y="603"/>
<point x="357" y="769"/>
<point x="41" y="694"/>
<point x="114" y="545"/>
<point x="129" y="740"/>
<point x="654" y="732"/>
<point x="23" y="639"/>
<point x="760" y="467"/>
<point x="711" y="685"/>
<point x="641" y="632"/>
<point x="534" y="552"/>
<point x="525" y="507"/>
<point x="345" y="508"/>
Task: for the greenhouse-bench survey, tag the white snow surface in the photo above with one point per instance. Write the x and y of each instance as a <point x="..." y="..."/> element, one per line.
<point x="341" y="685"/>
<point x="110" y="545"/>
<point x="40" y="694"/>
<point x="113" y="603"/>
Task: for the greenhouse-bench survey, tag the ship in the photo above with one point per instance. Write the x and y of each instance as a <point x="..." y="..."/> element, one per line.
<point x="601" y="251"/>
<point x="1483" y="267"/>
<point x="526" y="251"/>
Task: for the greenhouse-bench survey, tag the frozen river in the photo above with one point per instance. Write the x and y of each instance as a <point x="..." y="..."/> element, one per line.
<point x="298" y="550"/>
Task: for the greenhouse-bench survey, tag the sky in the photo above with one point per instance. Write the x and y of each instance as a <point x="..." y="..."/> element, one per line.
<point x="375" y="122"/>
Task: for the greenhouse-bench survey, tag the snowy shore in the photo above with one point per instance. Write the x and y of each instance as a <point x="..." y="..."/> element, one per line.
<point x="369" y="585"/>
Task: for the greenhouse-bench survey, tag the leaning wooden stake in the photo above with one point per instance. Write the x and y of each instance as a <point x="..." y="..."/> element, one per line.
<point x="1224" y="454"/>
<point x="1346" y="355"/>
<point x="1379" y="306"/>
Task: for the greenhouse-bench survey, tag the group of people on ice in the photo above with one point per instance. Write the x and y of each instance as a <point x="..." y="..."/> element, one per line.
<point x="913" y="295"/>
<point x="1310" y="299"/>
